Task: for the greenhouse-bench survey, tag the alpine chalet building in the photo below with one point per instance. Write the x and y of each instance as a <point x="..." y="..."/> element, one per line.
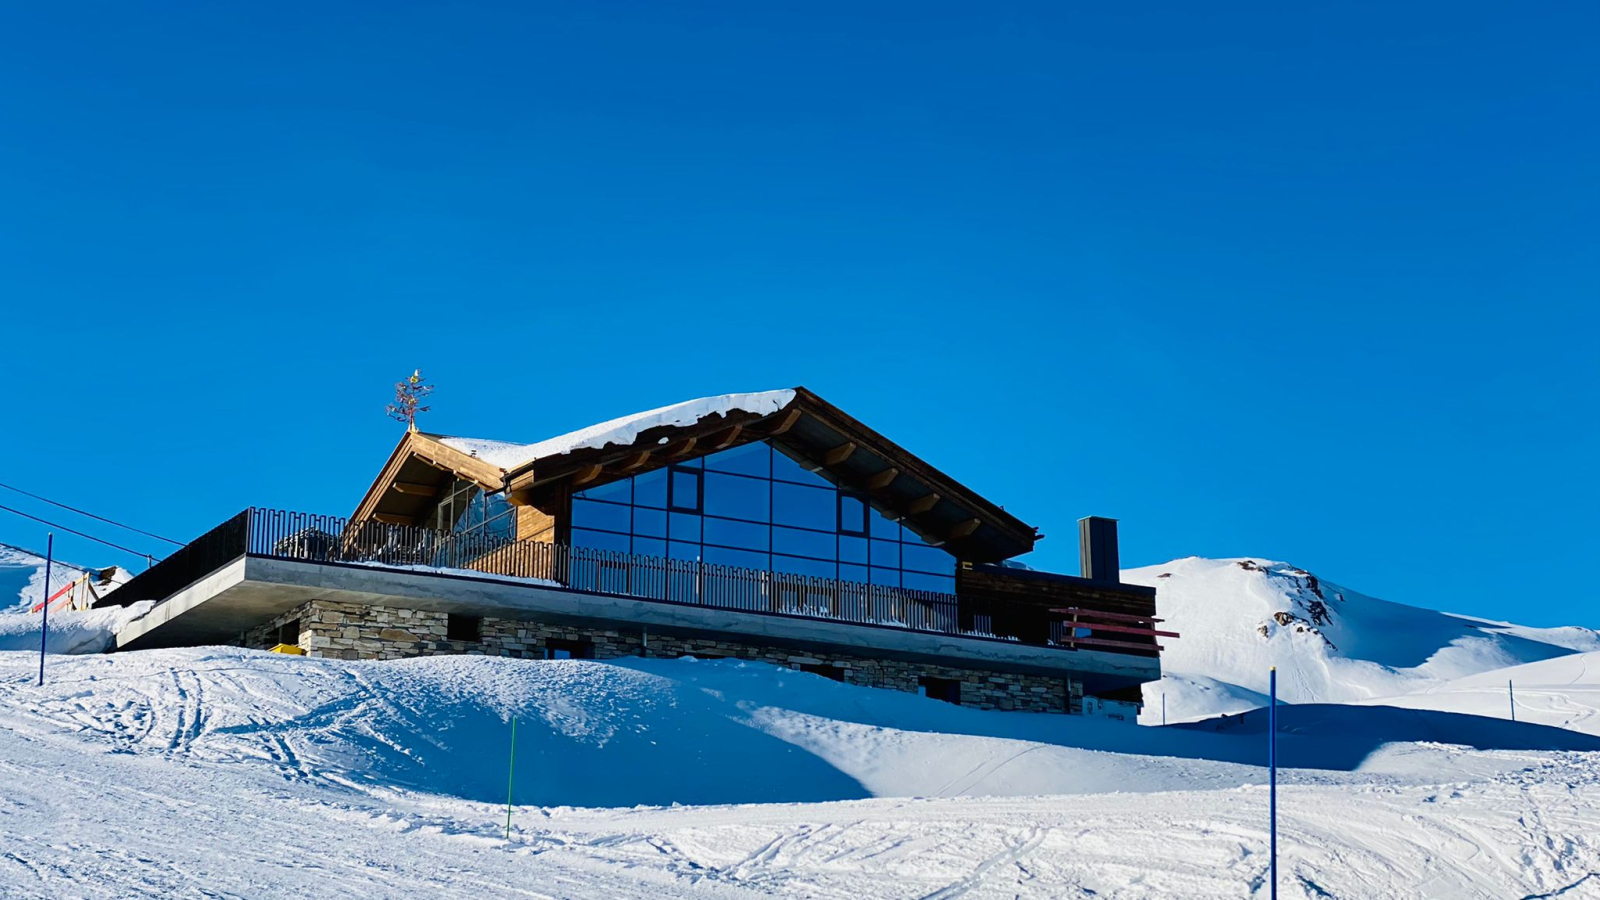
<point x="769" y="526"/>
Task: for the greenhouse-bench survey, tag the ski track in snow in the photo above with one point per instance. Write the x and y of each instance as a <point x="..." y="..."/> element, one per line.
<point x="174" y="774"/>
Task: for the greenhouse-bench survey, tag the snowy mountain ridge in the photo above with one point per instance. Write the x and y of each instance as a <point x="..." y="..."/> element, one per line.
<point x="1241" y="617"/>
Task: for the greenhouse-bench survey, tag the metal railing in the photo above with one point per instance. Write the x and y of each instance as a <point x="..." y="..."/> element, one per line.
<point x="287" y="535"/>
<point x="190" y="563"/>
<point x="303" y="536"/>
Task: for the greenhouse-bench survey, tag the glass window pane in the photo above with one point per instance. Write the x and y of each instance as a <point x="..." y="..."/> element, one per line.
<point x="786" y="469"/>
<point x="616" y="491"/>
<point x="806" y="507"/>
<point x="685" y="527"/>
<point x="923" y="558"/>
<point x="886" y="553"/>
<point x="592" y="514"/>
<point x="816" y="568"/>
<point x="852" y="573"/>
<point x="805" y="543"/>
<point x="649" y="547"/>
<point x="917" y="581"/>
<point x="745" y="559"/>
<point x="677" y="550"/>
<point x="852" y="515"/>
<point x="890" y="577"/>
<point x="685" y="490"/>
<point x="853" y="550"/>
<point x="599" y="540"/>
<point x="884" y="527"/>
<point x="650" y="489"/>
<point x="737" y="497"/>
<point x="745" y="535"/>
<point x="649" y="522"/>
<point x="751" y="459"/>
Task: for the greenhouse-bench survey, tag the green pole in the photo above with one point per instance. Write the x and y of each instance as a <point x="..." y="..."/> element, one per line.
<point x="510" y="774"/>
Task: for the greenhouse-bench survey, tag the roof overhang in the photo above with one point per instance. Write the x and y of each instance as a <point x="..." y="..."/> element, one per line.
<point x="825" y="439"/>
<point x="418" y="472"/>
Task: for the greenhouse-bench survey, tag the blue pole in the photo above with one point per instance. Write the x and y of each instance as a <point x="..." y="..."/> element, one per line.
<point x="44" y="630"/>
<point x="1511" y="693"/>
<point x="511" y="770"/>
<point x="1272" y="764"/>
<point x="1163" y="708"/>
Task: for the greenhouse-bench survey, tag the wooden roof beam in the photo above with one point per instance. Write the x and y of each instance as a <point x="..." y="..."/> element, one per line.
<point x="683" y="449"/>
<point x="727" y="438"/>
<point x="634" y="462"/>
<point x="964" y="529"/>
<point x="586" y="475"/>
<point x="923" y="504"/>
<point x="785" y="423"/>
<point x="839" y="454"/>
<point x="417" y="490"/>
<point x="883" y="479"/>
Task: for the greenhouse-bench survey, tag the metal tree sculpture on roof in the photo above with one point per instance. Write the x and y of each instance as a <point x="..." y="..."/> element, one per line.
<point x="408" y="397"/>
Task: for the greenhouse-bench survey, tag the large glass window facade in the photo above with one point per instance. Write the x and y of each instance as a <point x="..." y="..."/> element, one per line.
<point x="754" y="507"/>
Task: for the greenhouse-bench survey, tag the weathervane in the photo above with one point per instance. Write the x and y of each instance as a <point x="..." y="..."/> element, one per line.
<point x="408" y="397"/>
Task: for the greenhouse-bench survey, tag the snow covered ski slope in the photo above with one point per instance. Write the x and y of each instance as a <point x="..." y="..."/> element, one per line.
<point x="215" y="772"/>
<point x="1563" y="692"/>
<point x="1241" y="617"/>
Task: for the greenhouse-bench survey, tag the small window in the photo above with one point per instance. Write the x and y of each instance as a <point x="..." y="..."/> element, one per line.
<point x="289" y="632"/>
<point x="946" y="689"/>
<point x="852" y="514"/>
<point x="560" y="649"/>
<point x="826" y="671"/>
<point x="463" y="628"/>
<point x="684" y="494"/>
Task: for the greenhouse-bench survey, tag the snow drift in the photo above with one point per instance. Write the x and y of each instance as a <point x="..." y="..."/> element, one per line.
<point x="219" y="772"/>
<point x="22" y="575"/>
<point x="607" y="733"/>
<point x="22" y="578"/>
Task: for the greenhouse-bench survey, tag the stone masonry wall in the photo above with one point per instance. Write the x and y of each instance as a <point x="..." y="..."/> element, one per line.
<point x="357" y="631"/>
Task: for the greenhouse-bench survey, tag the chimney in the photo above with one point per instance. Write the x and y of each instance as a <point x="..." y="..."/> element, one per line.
<point x="1097" y="549"/>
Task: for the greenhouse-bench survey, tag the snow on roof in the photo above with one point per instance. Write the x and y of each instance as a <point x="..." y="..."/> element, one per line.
<point x="622" y="431"/>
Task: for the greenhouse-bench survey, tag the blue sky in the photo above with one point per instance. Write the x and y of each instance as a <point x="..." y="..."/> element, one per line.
<point x="1315" y="282"/>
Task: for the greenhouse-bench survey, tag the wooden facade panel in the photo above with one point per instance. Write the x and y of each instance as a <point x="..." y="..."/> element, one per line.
<point x="1020" y="605"/>
<point x="534" y="524"/>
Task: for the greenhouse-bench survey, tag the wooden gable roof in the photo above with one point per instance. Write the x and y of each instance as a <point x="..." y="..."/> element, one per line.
<point x="821" y="436"/>
<point x="419" y="471"/>
<point x="824" y="438"/>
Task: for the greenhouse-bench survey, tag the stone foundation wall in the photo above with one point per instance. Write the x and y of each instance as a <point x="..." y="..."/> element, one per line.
<point x="356" y="631"/>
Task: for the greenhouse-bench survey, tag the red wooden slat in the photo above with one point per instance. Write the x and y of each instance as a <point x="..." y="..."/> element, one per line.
<point x="1127" y="629"/>
<point x="1121" y="617"/>
<point x="1101" y="642"/>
